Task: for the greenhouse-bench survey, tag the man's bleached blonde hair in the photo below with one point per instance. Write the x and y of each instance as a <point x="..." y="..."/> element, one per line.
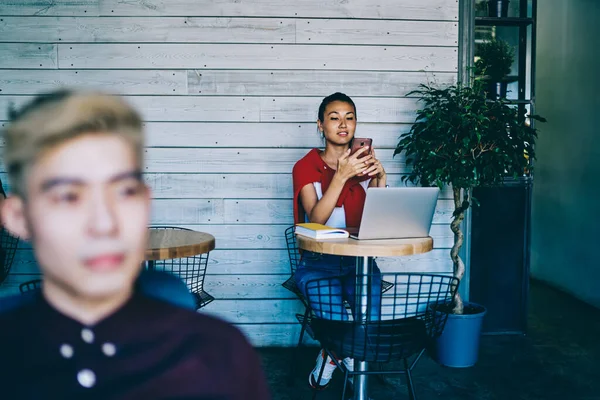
<point x="51" y="119"/>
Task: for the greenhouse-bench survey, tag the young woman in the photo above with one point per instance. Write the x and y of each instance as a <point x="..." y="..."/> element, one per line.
<point x="330" y="188"/>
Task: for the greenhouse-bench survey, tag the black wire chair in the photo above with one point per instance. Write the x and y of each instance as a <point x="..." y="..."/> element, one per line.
<point x="192" y="270"/>
<point x="290" y="284"/>
<point x="8" y="248"/>
<point x="28" y="286"/>
<point x="294" y="256"/>
<point x="404" y="329"/>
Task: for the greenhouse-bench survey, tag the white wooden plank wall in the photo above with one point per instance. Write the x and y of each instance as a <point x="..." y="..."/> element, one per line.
<point x="229" y="91"/>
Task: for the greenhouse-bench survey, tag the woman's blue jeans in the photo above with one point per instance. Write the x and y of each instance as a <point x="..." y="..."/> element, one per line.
<point x="328" y="302"/>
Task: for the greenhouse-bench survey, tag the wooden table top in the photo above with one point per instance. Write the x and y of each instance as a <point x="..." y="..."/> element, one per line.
<point x="172" y="243"/>
<point x="367" y="248"/>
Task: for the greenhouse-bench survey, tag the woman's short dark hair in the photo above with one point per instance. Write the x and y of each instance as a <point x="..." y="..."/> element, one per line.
<point x="337" y="96"/>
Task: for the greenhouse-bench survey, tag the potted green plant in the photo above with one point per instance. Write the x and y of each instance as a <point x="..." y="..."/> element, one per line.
<point x="462" y="139"/>
<point x="493" y="62"/>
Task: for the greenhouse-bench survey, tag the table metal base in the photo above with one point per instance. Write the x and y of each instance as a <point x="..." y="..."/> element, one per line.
<point x="364" y="267"/>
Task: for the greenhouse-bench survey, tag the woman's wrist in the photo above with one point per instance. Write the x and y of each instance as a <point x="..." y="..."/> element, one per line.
<point x="339" y="179"/>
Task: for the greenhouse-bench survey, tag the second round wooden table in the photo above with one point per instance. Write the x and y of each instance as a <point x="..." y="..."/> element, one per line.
<point x="166" y="243"/>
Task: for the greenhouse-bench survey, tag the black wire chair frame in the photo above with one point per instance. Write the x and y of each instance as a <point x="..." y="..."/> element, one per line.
<point x="8" y="248"/>
<point x="290" y="284"/>
<point x="192" y="270"/>
<point x="294" y="257"/>
<point x="405" y="328"/>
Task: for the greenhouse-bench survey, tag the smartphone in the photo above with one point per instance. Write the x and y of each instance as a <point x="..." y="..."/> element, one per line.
<point x="358" y="143"/>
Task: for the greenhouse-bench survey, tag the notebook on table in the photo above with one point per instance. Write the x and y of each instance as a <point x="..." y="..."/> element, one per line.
<point x="397" y="213"/>
<point x="319" y="231"/>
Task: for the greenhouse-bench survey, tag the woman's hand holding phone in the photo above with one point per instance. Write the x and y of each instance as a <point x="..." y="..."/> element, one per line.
<point x="376" y="169"/>
<point x="351" y="165"/>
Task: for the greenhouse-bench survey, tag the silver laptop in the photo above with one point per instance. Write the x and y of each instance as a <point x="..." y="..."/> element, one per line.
<point x="397" y="213"/>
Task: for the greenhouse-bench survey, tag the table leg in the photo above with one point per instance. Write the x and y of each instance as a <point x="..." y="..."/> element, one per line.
<point x="364" y="267"/>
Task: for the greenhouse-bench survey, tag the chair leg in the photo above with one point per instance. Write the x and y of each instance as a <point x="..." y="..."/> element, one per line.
<point x="296" y="351"/>
<point x="345" y="385"/>
<point x="315" y="391"/>
<point x="409" y="382"/>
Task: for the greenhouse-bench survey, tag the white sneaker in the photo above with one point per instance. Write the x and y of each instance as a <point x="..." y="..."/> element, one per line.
<point x="349" y="363"/>
<point x="327" y="372"/>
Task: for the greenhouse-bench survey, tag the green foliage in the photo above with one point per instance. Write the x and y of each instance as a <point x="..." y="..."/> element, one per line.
<point x="495" y="59"/>
<point x="462" y="139"/>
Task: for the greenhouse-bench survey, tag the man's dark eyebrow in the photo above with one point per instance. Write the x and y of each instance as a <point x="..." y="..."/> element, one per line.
<point x="51" y="183"/>
<point x="137" y="175"/>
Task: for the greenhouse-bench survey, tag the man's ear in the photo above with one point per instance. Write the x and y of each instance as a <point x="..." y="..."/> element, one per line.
<point x="13" y="217"/>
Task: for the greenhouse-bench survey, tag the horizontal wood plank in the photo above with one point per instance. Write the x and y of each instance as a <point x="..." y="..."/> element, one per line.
<point x="221" y="83"/>
<point x="244" y="237"/>
<point x="384" y="9"/>
<point x="257" y="56"/>
<point x="247" y="287"/>
<point x="141" y="82"/>
<point x="147" y="29"/>
<point x="254" y="211"/>
<point x="274" y="335"/>
<point x="28" y="55"/>
<point x="188" y="211"/>
<point x="170" y="186"/>
<point x="255" y="311"/>
<point x="272" y="134"/>
<point x="310" y="83"/>
<point x="369" y="109"/>
<point x="174" y="108"/>
<point x="248" y="186"/>
<point x="177" y="108"/>
<point x="245" y="211"/>
<point x="361" y="31"/>
<point x="49" y="7"/>
<point x="267" y="109"/>
<point x="251" y="109"/>
<point x="242" y="160"/>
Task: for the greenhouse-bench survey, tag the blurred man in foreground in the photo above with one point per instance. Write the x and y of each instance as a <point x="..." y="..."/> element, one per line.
<point x="74" y="161"/>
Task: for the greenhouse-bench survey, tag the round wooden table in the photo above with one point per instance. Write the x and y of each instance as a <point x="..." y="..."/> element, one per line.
<point x="165" y="243"/>
<point x="365" y="251"/>
<point x="367" y="248"/>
